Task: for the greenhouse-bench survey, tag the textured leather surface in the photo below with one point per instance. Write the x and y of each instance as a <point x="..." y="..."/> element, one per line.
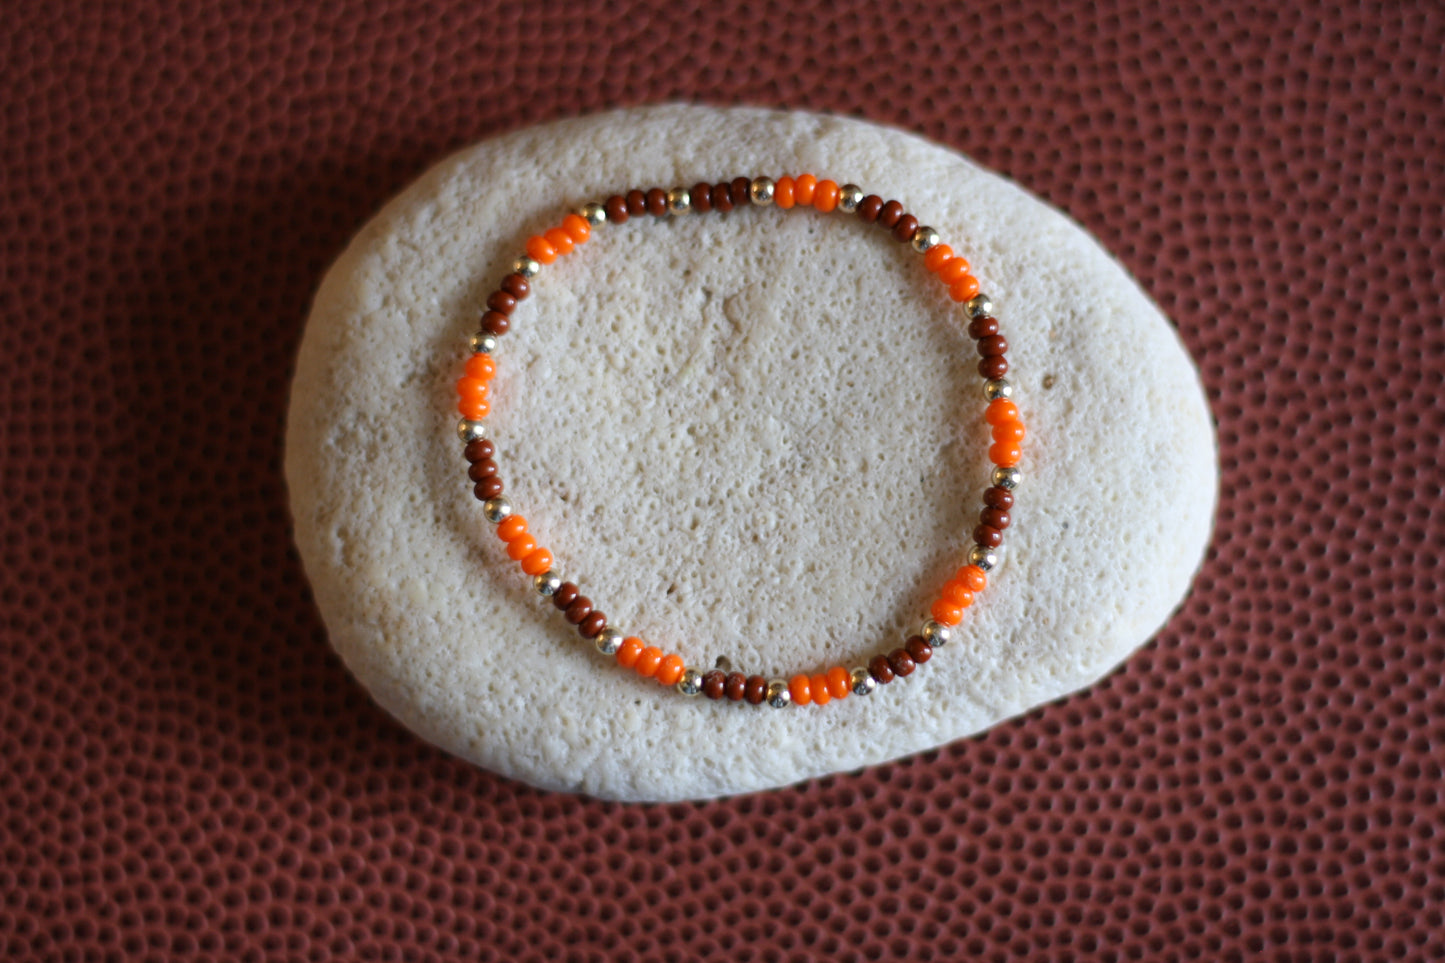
<point x="188" y="770"/>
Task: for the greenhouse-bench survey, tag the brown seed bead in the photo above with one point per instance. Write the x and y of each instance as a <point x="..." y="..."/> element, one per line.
<point x="565" y="595"/>
<point x="982" y="326"/>
<point x="616" y="208"/>
<point x="879" y="669"/>
<point x="722" y="199"/>
<point x="755" y="690"/>
<point x="580" y="608"/>
<point x="997" y="497"/>
<point x="869" y="207"/>
<point x="714" y="684"/>
<point x="890" y="214"/>
<point x="495" y="322"/>
<point x="702" y="198"/>
<point x="479" y="470"/>
<point x="501" y="301"/>
<point x="741" y="190"/>
<point x="592" y="626"/>
<point x="994" y="518"/>
<point x="479" y="449"/>
<point x="488" y="488"/>
<point x="918" y="650"/>
<point x="737" y="686"/>
<point x="988" y="536"/>
<point x="901" y="662"/>
<point x="993" y="368"/>
<point x="905" y="227"/>
<point x="516" y="286"/>
<point x="993" y="346"/>
<point x="657" y="202"/>
<point x="636" y="202"/>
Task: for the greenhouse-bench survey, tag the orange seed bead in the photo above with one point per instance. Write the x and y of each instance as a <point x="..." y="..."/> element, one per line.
<point x="957" y="594"/>
<point x="474" y="409"/>
<point x="670" y="669"/>
<point x="1005" y="454"/>
<point x="481" y="366"/>
<point x="1001" y="412"/>
<point x="937" y="257"/>
<point x="539" y="250"/>
<point x="803" y="187"/>
<point x="825" y="196"/>
<point x="954" y="271"/>
<point x="537" y="561"/>
<point x="818" y="689"/>
<point x="1011" y="431"/>
<point x="964" y="289"/>
<point x="472" y="388"/>
<point x="973" y="578"/>
<point x="521" y="546"/>
<point x="840" y="682"/>
<point x="559" y="239"/>
<point x="801" y="689"/>
<point x="783" y="193"/>
<point x="947" y="614"/>
<point x="647" y="661"/>
<point x="511" y="528"/>
<point x="577" y="228"/>
<point x="628" y="652"/>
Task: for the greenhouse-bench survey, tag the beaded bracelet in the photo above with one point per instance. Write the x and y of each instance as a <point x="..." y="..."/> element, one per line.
<point x="650" y="661"/>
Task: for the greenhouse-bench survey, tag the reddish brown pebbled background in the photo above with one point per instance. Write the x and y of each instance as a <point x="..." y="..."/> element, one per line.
<point x="186" y="769"/>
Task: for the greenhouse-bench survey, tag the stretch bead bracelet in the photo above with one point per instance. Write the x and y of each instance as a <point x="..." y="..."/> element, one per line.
<point x="649" y="661"/>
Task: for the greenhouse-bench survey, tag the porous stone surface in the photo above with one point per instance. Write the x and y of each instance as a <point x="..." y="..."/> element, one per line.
<point x="755" y="439"/>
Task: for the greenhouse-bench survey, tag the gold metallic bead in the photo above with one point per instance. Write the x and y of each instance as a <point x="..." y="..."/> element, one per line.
<point x="547" y="583"/>
<point x="936" y="634"/>
<point x="778" y="695"/>
<point x="924" y="239"/>
<point x="691" y="682"/>
<point x="998" y="388"/>
<point x="1007" y="477"/>
<point x="593" y="213"/>
<point x="608" y="641"/>
<point x="471" y="430"/>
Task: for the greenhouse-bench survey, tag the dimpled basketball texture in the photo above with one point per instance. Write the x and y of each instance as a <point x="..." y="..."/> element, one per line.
<point x="755" y="439"/>
<point x="189" y="771"/>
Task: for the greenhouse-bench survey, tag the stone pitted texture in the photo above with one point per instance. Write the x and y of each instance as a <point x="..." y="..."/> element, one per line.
<point x="190" y="772"/>
<point x="754" y="437"/>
